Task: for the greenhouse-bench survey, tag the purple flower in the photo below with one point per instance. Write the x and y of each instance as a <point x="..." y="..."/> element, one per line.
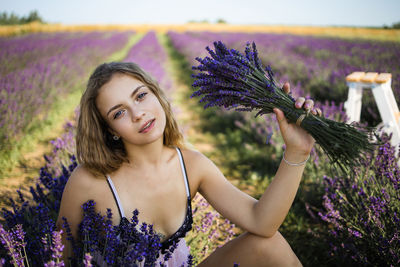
<point x="87" y="260"/>
<point x="13" y="246"/>
<point x="57" y="248"/>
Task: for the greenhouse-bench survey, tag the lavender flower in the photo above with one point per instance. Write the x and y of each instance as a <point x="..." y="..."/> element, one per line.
<point x="50" y="264"/>
<point x="13" y="241"/>
<point x="57" y="248"/>
<point x="87" y="260"/>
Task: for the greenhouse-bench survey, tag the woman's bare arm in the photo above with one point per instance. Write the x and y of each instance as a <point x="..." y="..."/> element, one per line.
<point x="262" y="217"/>
<point x="74" y="195"/>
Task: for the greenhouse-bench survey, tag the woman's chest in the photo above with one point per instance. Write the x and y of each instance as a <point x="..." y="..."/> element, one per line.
<point x="160" y="198"/>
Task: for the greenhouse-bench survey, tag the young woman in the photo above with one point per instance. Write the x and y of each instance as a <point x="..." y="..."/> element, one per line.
<point x="132" y="156"/>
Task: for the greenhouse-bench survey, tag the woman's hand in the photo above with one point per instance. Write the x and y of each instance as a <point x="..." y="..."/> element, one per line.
<point x="298" y="142"/>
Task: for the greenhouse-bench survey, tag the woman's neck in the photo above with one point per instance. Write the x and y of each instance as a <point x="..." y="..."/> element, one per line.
<point x="149" y="156"/>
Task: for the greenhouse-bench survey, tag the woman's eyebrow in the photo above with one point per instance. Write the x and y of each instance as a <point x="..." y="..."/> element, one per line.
<point x="132" y="95"/>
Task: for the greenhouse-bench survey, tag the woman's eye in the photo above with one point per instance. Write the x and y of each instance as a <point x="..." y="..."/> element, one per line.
<point x="140" y="96"/>
<point x="116" y="115"/>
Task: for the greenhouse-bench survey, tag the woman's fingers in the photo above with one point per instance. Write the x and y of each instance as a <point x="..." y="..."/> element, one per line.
<point x="307" y="104"/>
<point x="286" y="87"/>
<point x="299" y="102"/>
<point x="314" y="111"/>
<point x="319" y="111"/>
<point x="283" y="123"/>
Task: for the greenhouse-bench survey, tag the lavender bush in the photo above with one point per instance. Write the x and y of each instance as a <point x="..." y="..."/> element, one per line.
<point x="37" y="214"/>
<point x="364" y="211"/>
<point x="14" y="242"/>
<point x="63" y="147"/>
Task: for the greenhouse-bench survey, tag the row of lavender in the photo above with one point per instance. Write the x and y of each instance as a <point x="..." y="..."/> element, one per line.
<point x="151" y="56"/>
<point x="362" y="210"/>
<point x="47" y="196"/>
<point x="36" y="69"/>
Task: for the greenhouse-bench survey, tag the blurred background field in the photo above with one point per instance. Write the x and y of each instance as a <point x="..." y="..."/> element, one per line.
<point x="342" y="32"/>
<point x="336" y="219"/>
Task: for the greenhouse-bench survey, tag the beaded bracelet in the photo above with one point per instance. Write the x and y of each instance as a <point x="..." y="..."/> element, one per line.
<point x="295" y="164"/>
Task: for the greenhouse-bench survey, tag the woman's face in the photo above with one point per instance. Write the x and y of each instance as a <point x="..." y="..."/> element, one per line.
<point x="127" y="105"/>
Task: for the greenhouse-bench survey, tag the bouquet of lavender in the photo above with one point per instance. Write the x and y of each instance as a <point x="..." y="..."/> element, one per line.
<point x="233" y="80"/>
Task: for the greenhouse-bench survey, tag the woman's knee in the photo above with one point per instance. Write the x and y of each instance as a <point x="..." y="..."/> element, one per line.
<point x="275" y="250"/>
<point x="252" y="250"/>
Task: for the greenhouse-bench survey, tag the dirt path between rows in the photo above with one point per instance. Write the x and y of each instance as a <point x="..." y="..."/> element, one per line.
<point x="26" y="173"/>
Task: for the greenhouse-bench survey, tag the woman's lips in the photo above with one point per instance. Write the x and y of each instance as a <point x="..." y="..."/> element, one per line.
<point x="149" y="128"/>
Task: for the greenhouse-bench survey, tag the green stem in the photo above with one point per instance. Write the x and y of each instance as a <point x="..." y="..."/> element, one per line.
<point x="26" y="257"/>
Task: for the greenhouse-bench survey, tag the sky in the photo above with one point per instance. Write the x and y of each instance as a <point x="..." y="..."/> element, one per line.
<point x="365" y="13"/>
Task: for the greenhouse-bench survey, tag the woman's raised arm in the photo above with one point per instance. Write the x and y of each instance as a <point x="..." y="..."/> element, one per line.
<point x="264" y="216"/>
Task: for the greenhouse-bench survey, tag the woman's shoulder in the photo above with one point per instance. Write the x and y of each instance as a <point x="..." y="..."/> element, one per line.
<point x="195" y="161"/>
<point x="191" y="156"/>
<point x="82" y="179"/>
<point x="79" y="189"/>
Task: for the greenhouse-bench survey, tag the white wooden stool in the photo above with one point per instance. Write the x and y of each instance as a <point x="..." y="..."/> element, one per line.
<point x="384" y="98"/>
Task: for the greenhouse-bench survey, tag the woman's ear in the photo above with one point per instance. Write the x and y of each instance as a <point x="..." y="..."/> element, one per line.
<point x="112" y="132"/>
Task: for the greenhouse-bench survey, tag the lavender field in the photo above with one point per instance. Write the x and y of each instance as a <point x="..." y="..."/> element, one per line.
<point x="336" y="220"/>
<point x="38" y="68"/>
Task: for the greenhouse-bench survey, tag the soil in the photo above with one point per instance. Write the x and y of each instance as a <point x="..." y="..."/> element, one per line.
<point x="26" y="173"/>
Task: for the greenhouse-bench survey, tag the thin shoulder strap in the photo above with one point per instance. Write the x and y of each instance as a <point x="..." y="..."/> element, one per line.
<point x="117" y="200"/>
<point x="183" y="167"/>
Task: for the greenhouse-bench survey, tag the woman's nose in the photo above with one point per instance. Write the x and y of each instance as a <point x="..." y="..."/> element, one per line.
<point x="137" y="114"/>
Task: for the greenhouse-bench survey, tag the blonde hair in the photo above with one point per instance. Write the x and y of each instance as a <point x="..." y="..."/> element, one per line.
<point x="95" y="147"/>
